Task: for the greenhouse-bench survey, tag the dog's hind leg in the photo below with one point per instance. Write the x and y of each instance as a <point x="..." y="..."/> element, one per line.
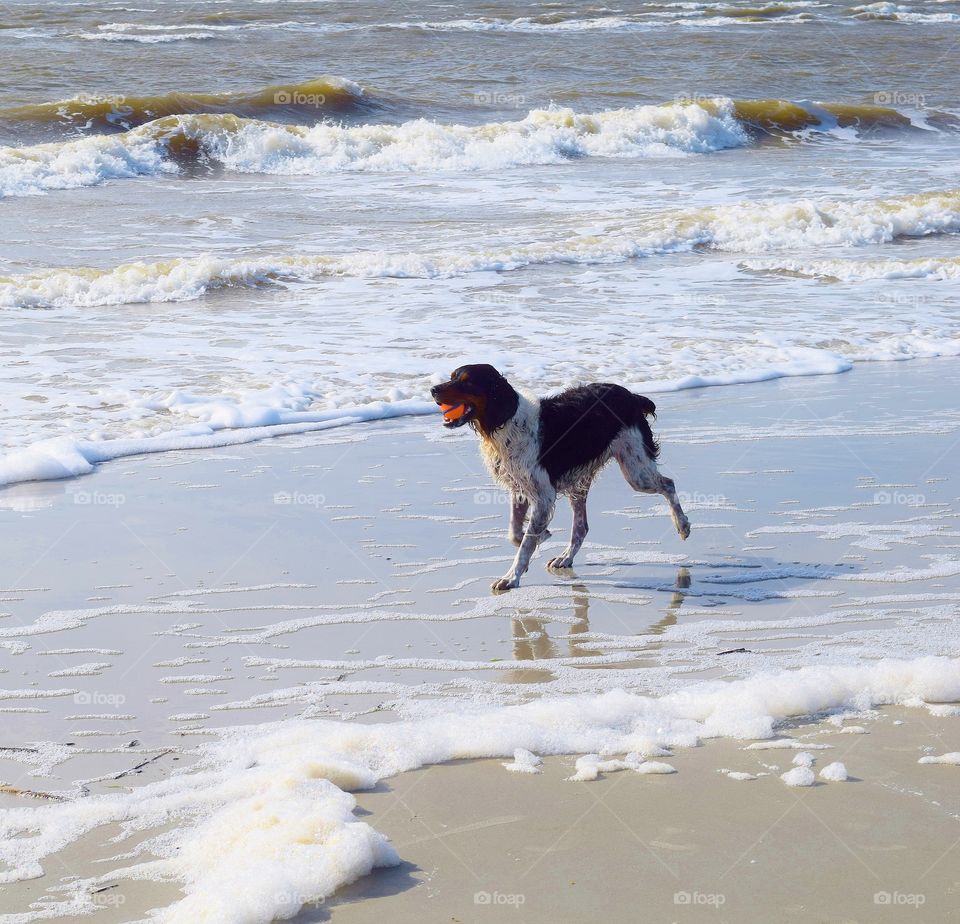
<point x="642" y="475"/>
<point x="578" y="532"/>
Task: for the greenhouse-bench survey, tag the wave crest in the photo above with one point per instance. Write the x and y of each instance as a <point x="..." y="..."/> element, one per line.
<point x="312" y="98"/>
<point x="543" y="137"/>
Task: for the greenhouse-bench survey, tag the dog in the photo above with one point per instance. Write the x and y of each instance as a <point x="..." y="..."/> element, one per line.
<point x="538" y="448"/>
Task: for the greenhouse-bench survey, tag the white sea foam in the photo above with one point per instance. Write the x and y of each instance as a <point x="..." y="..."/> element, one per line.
<point x="148" y="38"/>
<point x="952" y="758"/>
<point x="902" y="13"/>
<point x="64" y="458"/>
<point x="529" y="24"/>
<point x="799" y="776"/>
<point x="688" y="15"/>
<point x="739" y="775"/>
<point x="264" y="823"/>
<point x="856" y="270"/>
<point x="72" y="164"/>
<point x="524" y="761"/>
<point x="834" y="773"/>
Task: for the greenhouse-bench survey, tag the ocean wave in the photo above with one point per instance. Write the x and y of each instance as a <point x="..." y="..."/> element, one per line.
<point x="895" y="12"/>
<point x="754" y="227"/>
<point x="703" y="15"/>
<point x="210" y="26"/>
<point x="857" y="270"/>
<point x="543" y="137"/>
<point x="150" y="38"/>
<point x="528" y="24"/>
<point x="323" y="95"/>
<point x="652" y="17"/>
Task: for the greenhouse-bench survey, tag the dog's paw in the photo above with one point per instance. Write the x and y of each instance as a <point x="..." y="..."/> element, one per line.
<point x="683" y="528"/>
<point x="563" y="563"/>
<point x="505" y="583"/>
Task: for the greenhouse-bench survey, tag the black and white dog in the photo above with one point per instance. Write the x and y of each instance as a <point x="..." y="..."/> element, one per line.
<point x="538" y="448"/>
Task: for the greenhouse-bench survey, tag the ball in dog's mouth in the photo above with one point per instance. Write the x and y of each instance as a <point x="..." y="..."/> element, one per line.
<point x="455" y="415"/>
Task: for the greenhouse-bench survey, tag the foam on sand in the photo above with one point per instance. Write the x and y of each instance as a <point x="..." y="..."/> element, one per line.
<point x="524" y="761"/>
<point x="264" y="824"/>
<point x="799" y="776"/>
<point x="65" y="458"/>
<point x="834" y="773"/>
<point x="953" y="758"/>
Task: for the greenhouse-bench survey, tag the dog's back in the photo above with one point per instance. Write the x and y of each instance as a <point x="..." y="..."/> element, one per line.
<point x="579" y="427"/>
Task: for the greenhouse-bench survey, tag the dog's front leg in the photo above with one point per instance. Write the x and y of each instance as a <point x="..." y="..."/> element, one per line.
<point x="536" y="532"/>
<point x="518" y="516"/>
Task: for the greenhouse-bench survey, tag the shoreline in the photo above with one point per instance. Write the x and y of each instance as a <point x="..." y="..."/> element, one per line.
<point x="63" y="457"/>
<point x="343" y="577"/>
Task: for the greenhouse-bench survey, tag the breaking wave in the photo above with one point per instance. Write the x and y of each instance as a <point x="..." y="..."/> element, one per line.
<point x="755" y="227"/>
<point x="544" y="136"/>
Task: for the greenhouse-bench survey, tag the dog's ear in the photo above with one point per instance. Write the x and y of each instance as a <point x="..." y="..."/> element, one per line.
<point x="502" y="402"/>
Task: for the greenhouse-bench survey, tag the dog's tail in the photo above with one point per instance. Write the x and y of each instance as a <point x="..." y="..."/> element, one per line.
<point x="644" y="408"/>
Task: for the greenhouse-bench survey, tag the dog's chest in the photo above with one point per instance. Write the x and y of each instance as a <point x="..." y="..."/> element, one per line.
<point x="511" y="453"/>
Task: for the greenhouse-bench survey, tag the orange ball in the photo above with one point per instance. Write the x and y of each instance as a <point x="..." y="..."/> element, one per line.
<point x="453" y="412"/>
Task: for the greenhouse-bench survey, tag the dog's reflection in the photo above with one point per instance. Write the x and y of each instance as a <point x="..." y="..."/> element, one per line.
<point x="532" y="641"/>
<point x="681" y="585"/>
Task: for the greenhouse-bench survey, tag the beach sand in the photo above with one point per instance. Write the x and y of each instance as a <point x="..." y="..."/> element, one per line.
<point x="167" y="596"/>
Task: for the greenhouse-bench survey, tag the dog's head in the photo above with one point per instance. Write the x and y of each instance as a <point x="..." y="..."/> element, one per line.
<point x="478" y="395"/>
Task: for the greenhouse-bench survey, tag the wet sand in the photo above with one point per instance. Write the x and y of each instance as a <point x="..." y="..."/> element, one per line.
<point x="339" y="574"/>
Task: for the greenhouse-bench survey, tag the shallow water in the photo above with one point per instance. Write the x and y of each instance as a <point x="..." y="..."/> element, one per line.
<point x="667" y="195"/>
